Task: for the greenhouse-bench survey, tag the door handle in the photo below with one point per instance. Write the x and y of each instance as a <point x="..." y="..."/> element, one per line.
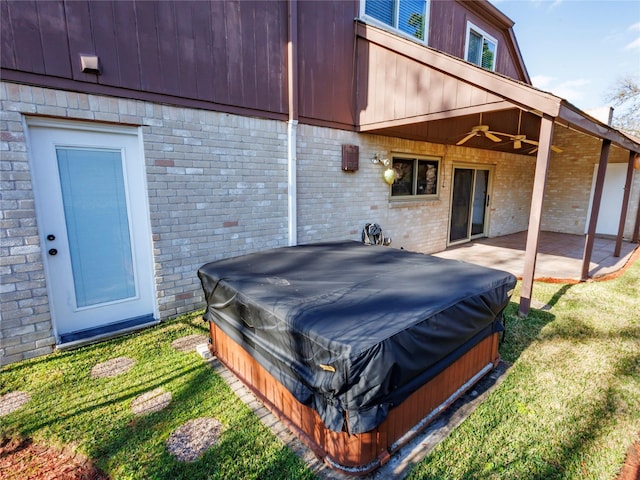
<point x="53" y="252"/>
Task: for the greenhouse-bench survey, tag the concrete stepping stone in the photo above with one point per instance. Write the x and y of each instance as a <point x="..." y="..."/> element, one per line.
<point x="189" y="343"/>
<point x="112" y="368"/>
<point x="12" y="401"/>
<point x="151" y="402"/>
<point x="189" y="441"/>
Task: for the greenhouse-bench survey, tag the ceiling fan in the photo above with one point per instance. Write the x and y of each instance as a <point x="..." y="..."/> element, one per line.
<point x="480" y="130"/>
<point x="519" y="139"/>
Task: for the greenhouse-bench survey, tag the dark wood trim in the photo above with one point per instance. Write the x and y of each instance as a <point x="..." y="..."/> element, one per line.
<point x="595" y="208"/>
<point x="625" y="205"/>
<point x="586" y="124"/>
<point x="97" y="89"/>
<point x="316" y="122"/>
<point x="535" y="215"/>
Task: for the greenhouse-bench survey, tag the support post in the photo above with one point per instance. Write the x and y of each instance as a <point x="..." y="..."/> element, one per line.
<point x="595" y="209"/>
<point x="636" y="229"/>
<point x="535" y="215"/>
<point x="625" y="205"/>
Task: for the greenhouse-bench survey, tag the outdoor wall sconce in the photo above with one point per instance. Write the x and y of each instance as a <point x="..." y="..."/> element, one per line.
<point x="90" y="64"/>
<point x="389" y="174"/>
<point x="636" y="162"/>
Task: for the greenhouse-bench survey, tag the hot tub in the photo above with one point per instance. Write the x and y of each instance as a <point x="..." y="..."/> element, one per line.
<point x="356" y="348"/>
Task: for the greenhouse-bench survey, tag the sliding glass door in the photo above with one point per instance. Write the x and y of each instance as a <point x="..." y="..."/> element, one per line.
<point x="469" y="203"/>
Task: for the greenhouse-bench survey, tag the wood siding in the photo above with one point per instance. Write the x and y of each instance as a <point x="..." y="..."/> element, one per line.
<point x="227" y="53"/>
<point x="231" y="55"/>
<point x="393" y="87"/>
<point x="448" y="33"/>
<point x="326" y="39"/>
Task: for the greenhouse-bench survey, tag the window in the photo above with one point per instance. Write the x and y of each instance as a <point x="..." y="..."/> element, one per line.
<point x="481" y="48"/>
<point x="415" y="177"/>
<point x="406" y="16"/>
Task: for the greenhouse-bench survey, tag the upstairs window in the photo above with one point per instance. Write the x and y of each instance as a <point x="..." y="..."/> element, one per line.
<point x="406" y="16"/>
<point x="415" y="177"/>
<point x="481" y="48"/>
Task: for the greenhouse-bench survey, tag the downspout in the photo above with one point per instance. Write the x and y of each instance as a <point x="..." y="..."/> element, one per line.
<point x="292" y="122"/>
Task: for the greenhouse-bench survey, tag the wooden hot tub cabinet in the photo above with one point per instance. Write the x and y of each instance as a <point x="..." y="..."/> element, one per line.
<point x="360" y="453"/>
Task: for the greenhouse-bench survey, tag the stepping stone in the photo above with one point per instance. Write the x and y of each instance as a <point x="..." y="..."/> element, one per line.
<point x="12" y="401"/>
<point x="150" y="402"/>
<point x="189" y="343"/>
<point x="112" y="368"/>
<point x="188" y="442"/>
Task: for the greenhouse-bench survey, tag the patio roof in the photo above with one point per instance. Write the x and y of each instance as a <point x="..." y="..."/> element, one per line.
<point x="459" y="92"/>
<point x="411" y="91"/>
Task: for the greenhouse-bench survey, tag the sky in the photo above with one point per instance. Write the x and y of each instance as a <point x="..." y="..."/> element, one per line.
<point x="577" y="49"/>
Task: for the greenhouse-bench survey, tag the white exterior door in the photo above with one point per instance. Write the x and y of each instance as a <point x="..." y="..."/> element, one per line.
<point x="612" y="196"/>
<point x="92" y="211"/>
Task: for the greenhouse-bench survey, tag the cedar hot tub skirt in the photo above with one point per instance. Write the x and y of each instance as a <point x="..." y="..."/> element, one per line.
<point x="360" y="453"/>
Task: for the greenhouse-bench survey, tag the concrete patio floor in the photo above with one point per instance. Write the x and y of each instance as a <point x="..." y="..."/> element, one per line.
<point x="559" y="255"/>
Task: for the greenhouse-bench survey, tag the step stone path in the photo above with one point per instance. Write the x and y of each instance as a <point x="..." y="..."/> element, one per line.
<point x="150" y="402"/>
<point x="12" y="401"/>
<point x="189" y="343"/>
<point x="189" y="441"/>
<point x="112" y="368"/>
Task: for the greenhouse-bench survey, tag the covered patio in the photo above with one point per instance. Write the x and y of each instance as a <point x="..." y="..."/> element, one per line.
<point x="464" y="105"/>
<point x="560" y="255"/>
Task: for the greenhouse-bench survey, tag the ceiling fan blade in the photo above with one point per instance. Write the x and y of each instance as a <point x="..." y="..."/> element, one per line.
<point x="553" y="148"/>
<point x="531" y="142"/>
<point x="491" y="136"/>
<point x="467" y="138"/>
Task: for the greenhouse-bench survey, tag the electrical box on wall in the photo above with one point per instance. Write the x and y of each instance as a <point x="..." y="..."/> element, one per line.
<point x="350" y="154"/>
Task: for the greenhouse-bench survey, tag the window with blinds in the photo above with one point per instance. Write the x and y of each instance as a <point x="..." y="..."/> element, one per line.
<point x="481" y="48"/>
<point x="407" y="16"/>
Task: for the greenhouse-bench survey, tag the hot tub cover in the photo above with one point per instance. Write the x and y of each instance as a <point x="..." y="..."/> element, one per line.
<point x="349" y="329"/>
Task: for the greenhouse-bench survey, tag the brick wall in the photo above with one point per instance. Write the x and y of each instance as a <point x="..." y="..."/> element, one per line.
<point x="217" y="187"/>
<point x="566" y="201"/>
<point x="335" y="205"/>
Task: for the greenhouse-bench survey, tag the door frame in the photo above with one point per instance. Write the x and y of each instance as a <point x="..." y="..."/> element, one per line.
<point x="143" y="227"/>
<point x="474" y="166"/>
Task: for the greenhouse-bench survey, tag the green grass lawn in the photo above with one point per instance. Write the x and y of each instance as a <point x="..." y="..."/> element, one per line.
<point x="568" y="408"/>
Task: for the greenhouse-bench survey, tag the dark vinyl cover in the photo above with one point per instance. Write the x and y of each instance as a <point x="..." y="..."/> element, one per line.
<point x="350" y="329"/>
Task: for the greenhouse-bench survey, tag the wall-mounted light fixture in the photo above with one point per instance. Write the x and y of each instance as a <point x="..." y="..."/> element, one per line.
<point x="636" y="161"/>
<point x="389" y="174"/>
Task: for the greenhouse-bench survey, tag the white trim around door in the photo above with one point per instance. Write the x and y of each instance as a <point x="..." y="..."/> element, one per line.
<point x="92" y="210"/>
